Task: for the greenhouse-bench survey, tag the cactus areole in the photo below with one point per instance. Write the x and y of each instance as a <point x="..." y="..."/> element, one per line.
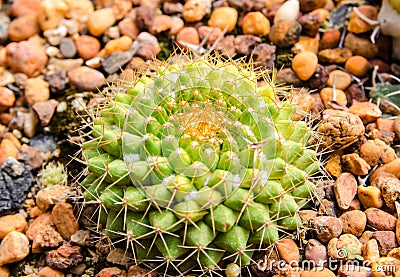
<point x="196" y="166"/>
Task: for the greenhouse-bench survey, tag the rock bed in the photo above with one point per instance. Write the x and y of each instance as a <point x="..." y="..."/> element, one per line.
<point x="54" y="52"/>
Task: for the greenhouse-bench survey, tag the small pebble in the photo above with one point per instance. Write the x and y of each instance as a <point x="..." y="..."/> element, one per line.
<point x="137" y="270"/>
<point x="391" y="192"/>
<point x="21" y="7"/>
<point x="354" y="222"/>
<point x="285" y="33"/>
<point x="327" y="227"/>
<point x="188" y="35"/>
<point x="51" y="13"/>
<point x="310" y="24"/>
<point x="361" y="46"/>
<point x="15" y="222"/>
<point x="128" y="27"/>
<point x="66" y="256"/>
<point x="376" y="152"/>
<point x="148" y="46"/>
<point x="304" y="64"/>
<point x="214" y="33"/>
<point x="357" y="65"/>
<point x="100" y="20"/>
<point x="195" y="10"/>
<point x="355" y="164"/>
<point x="357" y="25"/>
<point x="380" y="220"/>
<point x="7" y="98"/>
<point x="45" y="110"/>
<point x="367" y="111"/>
<point x="177" y="25"/>
<point x="340" y="79"/>
<point x="87" y="46"/>
<point x="50" y="272"/>
<point x="119" y="44"/>
<point x="36" y="90"/>
<point x="330" y="39"/>
<point x="370" y="197"/>
<point x="392" y="167"/>
<point x="13" y="248"/>
<point x="41" y="222"/>
<point x="340" y="248"/>
<point x="310" y="5"/>
<point x="371" y="252"/>
<point x="119" y="256"/>
<point x="52" y="195"/>
<point x="27" y="57"/>
<point x="255" y="23"/>
<point x="46" y="238"/>
<point x="386" y="241"/>
<point x="24" y="27"/>
<point x="111" y="271"/>
<point x="224" y="17"/>
<point x="316" y="251"/>
<point x="161" y="23"/>
<point x="64" y="219"/>
<point x="289" y="10"/>
<point x="345" y="190"/>
<point x="330" y="96"/>
<point x="67" y="48"/>
<point x="288" y="250"/>
<point x="335" y="55"/>
<point x="86" y="78"/>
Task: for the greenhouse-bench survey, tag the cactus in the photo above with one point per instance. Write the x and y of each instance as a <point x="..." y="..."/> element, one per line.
<point x="196" y="165"/>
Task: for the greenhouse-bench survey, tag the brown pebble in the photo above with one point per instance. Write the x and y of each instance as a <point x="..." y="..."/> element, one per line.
<point x="21" y="7"/>
<point x="354" y="222"/>
<point x="64" y="219"/>
<point x="100" y="20"/>
<point x="66" y="256"/>
<point x="213" y="34"/>
<point x="13" y="248"/>
<point x="36" y="90"/>
<point x="23" y="27"/>
<point x="87" y="46"/>
<point x="331" y="96"/>
<point x="334" y="165"/>
<point x="50" y="272"/>
<point x="139" y="271"/>
<point x="255" y="23"/>
<point x="357" y="25"/>
<point x="316" y="251"/>
<point x="352" y="270"/>
<point x="119" y="44"/>
<point x="51" y="195"/>
<point x="339" y="79"/>
<point x="335" y="55"/>
<point x="28" y="57"/>
<point x="392" y="167"/>
<point x="396" y="127"/>
<point x="161" y="23"/>
<point x="304" y="64"/>
<point x="371" y="251"/>
<point x="14" y="222"/>
<point x="288" y="250"/>
<point x="86" y="78"/>
<point x="367" y="111"/>
<point x="327" y="227"/>
<point x="390" y="191"/>
<point x="7" y="149"/>
<point x="377" y="152"/>
<point x="188" y="35"/>
<point x="128" y="27"/>
<point x="386" y="241"/>
<point x="111" y="271"/>
<point x="46" y="238"/>
<point x="361" y="46"/>
<point x="7" y="98"/>
<point x="285" y="33"/>
<point x="357" y="65"/>
<point x="45" y="110"/>
<point x="380" y="220"/>
<point x="345" y="190"/>
<point x="348" y="242"/>
<point x="370" y="197"/>
<point x="355" y="164"/>
<point x="330" y="39"/>
<point x="224" y="17"/>
<point x="38" y="224"/>
<point x="195" y="10"/>
<point x="310" y="5"/>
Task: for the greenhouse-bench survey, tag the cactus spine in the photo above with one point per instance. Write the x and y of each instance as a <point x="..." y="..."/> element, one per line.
<point x="197" y="165"/>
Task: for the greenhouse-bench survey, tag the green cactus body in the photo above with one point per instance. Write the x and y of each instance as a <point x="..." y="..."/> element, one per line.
<point x="197" y="164"/>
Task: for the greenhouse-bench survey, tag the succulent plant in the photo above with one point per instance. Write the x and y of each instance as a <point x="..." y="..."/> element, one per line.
<point x="196" y="164"/>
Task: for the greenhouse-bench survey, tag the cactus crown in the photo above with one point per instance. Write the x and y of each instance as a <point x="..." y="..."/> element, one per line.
<point x="196" y="165"/>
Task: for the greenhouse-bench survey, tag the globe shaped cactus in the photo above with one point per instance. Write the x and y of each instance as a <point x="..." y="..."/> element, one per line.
<point x="195" y="165"/>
